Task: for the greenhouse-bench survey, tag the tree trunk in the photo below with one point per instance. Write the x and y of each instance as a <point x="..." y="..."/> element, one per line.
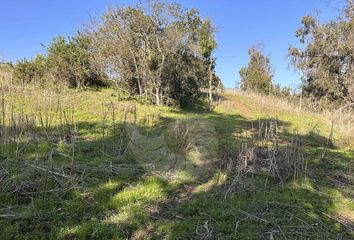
<point x="139" y="86"/>
<point x="78" y="83"/>
<point x="157" y="96"/>
<point x="300" y="104"/>
<point x="158" y="92"/>
<point x="138" y="76"/>
<point x="210" y="83"/>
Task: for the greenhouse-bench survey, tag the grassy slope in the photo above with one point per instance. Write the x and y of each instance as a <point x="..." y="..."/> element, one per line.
<point x="194" y="200"/>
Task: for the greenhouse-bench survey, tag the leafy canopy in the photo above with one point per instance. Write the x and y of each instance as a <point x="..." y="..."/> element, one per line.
<point x="258" y="74"/>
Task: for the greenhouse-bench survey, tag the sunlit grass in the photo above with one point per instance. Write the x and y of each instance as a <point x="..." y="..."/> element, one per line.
<point x="193" y="198"/>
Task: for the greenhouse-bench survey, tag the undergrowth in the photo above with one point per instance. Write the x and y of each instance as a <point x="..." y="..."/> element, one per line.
<point x="91" y="165"/>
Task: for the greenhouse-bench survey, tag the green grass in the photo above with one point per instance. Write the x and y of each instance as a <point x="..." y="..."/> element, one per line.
<point x="157" y="190"/>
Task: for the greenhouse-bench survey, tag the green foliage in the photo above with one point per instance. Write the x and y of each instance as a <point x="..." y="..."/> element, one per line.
<point x="326" y="59"/>
<point x="280" y="91"/>
<point x="63" y="174"/>
<point x="28" y="71"/>
<point x="70" y="62"/>
<point x="184" y="88"/>
<point x="207" y="41"/>
<point x="159" y="50"/>
<point x="65" y="63"/>
<point x="257" y="75"/>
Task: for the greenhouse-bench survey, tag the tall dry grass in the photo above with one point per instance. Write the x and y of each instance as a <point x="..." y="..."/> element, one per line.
<point x="5" y="75"/>
<point x="341" y="118"/>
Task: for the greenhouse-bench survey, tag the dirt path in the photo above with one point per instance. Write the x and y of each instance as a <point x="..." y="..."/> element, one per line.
<point x="240" y="106"/>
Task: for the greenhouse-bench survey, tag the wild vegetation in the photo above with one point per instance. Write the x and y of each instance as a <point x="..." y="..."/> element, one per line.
<point x="96" y="142"/>
<point x="258" y="74"/>
<point x="140" y="50"/>
<point x="78" y="165"/>
<point x="326" y="61"/>
<point x="67" y="63"/>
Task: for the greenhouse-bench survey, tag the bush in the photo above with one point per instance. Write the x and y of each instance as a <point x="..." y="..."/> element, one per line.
<point x="69" y="63"/>
<point x="66" y="62"/>
<point x="28" y="71"/>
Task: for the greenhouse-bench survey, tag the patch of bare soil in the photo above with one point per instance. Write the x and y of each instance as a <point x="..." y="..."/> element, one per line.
<point x="245" y="110"/>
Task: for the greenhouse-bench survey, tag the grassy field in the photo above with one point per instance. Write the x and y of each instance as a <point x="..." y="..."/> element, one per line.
<point x="95" y="165"/>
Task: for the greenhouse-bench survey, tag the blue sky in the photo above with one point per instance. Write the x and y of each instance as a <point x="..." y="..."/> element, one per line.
<point x="25" y="24"/>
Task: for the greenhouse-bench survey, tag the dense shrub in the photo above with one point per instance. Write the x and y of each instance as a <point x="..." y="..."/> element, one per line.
<point x="28" y="71"/>
<point x="67" y="62"/>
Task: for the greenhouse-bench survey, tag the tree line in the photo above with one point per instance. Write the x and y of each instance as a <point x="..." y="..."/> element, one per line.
<point x="156" y="50"/>
<point x="165" y="54"/>
<point x="325" y="61"/>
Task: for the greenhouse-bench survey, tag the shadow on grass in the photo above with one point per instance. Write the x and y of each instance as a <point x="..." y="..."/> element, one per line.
<point x="189" y="204"/>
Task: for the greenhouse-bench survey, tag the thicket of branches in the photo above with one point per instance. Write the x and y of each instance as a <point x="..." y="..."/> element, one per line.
<point x="161" y="51"/>
<point x="156" y="50"/>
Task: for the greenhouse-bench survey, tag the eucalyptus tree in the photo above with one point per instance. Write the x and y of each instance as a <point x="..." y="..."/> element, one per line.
<point x="326" y="59"/>
<point x="207" y="47"/>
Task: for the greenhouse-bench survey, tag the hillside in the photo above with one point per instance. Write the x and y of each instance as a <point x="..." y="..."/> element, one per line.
<point x="94" y="165"/>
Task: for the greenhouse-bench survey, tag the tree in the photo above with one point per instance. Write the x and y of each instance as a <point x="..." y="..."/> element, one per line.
<point x="182" y="75"/>
<point x="258" y="74"/>
<point x="207" y="47"/>
<point x="132" y="45"/>
<point x="326" y="60"/>
<point x="136" y="47"/>
<point x="69" y="62"/>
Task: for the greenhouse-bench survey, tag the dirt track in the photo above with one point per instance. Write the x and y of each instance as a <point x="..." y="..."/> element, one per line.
<point x="241" y="107"/>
